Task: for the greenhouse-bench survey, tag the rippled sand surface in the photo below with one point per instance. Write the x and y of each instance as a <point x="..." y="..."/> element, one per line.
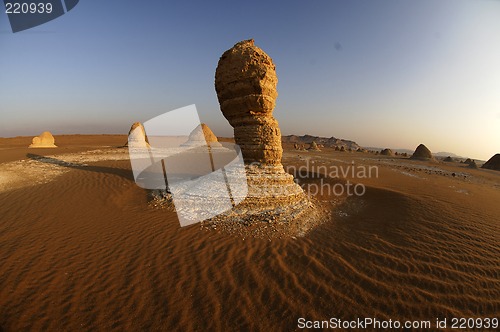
<point x="86" y="252"/>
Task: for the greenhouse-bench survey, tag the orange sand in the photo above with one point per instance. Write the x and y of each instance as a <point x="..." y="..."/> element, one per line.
<point x="83" y="250"/>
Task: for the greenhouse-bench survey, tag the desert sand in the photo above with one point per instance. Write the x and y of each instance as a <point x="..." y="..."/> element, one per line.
<point x="83" y="248"/>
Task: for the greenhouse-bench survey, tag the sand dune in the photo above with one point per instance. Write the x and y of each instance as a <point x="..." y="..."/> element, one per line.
<point x="84" y="251"/>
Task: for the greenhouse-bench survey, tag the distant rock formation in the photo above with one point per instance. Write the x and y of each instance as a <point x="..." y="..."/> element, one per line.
<point x="245" y="82"/>
<point x="387" y="152"/>
<point x="331" y="142"/>
<point x="493" y="163"/>
<point x="314" y="147"/>
<point x="468" y="161"/>
<point x="422" y="153"/>
<point x="44" y="140"/>
<point x="137" y="136"/>
<point x="472" y="165"/>
<point x="202" y="135"/>
<point x="448" y="159"/>
<point x="342" y="149"/>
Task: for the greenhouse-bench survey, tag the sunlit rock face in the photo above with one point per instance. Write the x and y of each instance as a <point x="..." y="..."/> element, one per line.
<point x="245" y="82"/>
<point x="44" y="140"/>
<point x="202" y="135"/>
<point x="137" y="136"/>
<point x="422" y="153"/>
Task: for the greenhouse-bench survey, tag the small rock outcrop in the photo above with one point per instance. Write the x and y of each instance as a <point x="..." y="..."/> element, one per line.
<point x="201" y="136"/>
<point x="44" y="140"/>
<point x="137" y="136"/>
<point x="387" y="152"/>
<point x="448" y="159"/>
<point x="493" y="163"/>
<point x="245" y="82"/>
<point x="472" y="165"/>
<point x="314" y="147"/>
<point x="422" y="153"/>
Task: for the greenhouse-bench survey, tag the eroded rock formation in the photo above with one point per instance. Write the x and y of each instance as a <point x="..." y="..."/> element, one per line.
<point x="44" y="140"/>
<point x="422" y="153"/>
<point x="245" y="82"/>
<point x="387" y="152"/>
<point x="202" y="135"/>
<point x="493" y="163"/>
<point x="137" y="136"/>
<point x="314" y="147"/>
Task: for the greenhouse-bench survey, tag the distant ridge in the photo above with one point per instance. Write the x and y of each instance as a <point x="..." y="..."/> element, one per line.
<point x="331" y="142"/>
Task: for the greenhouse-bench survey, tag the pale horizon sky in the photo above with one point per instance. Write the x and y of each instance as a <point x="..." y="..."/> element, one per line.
<point x="381" y="73"/>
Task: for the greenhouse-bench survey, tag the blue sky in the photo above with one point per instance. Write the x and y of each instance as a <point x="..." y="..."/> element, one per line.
<point x="382" y="73"/>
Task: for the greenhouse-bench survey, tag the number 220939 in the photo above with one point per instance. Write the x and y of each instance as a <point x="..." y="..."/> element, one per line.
<point x="28" y="8"/>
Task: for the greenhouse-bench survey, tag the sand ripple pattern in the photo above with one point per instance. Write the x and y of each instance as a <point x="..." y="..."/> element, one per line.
<point x="86" y="253"/>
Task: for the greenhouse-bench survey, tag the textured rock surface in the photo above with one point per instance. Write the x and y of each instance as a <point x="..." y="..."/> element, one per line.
<point x="245" y="82"/>
<point x="45" y="140"/>
<point x="422" y="153"/>
<point x="202" y="135"/>
<point x="137" y="136"/>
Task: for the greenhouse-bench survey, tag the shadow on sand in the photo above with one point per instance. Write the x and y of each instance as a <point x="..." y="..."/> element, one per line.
<point x="124" y="173"/>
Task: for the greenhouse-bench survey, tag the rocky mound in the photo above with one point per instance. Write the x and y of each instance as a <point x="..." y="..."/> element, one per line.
<point x="422" y="153"/>
<point x="493" y="163"/>
<point x="201" y="136"/>
<point x="314" y="147"/>
<point x="448" y="159"/>
<point x="44" y="140"/>
<point x="137" y="136"/>
<point x="387" y="152"/>
<point x="472" y="165"/>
